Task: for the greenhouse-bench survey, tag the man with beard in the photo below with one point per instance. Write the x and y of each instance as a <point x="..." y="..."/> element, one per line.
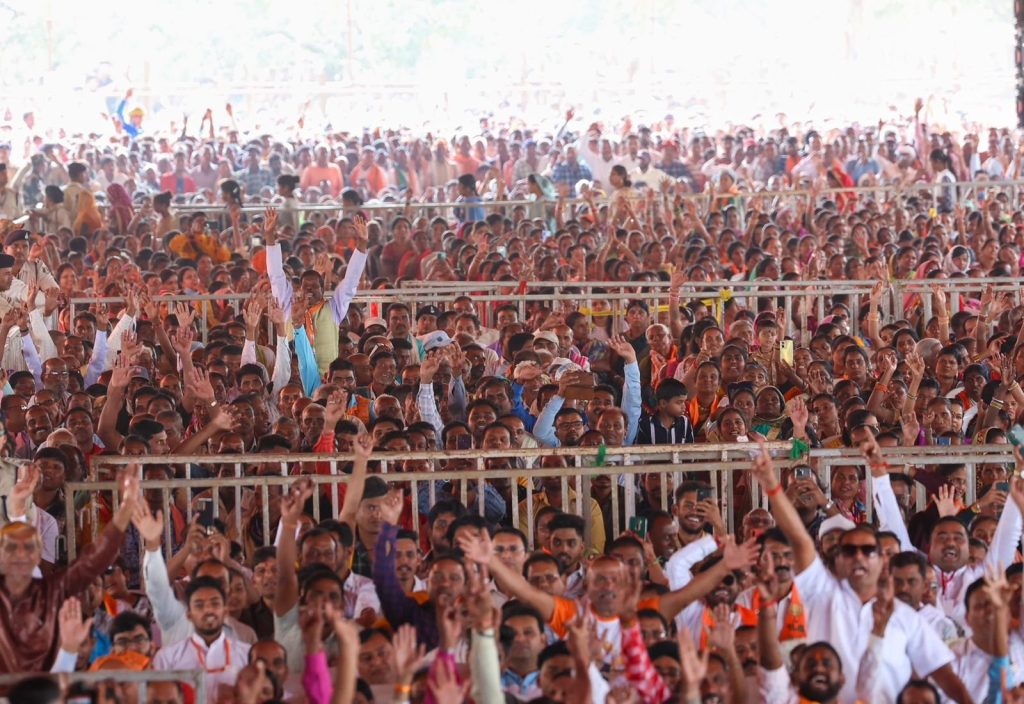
<point x="910" y="572"/>
<point x="566" y="545"/>
<point x="792" y="618"/>
<point x="835" y="609"/>
<point x="693" y="515"/>
<point x="407" y="562"/>
<point x="209" y="649"/>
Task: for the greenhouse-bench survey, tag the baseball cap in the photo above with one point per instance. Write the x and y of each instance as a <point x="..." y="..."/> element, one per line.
<point x="370" y="322"/>
<point x="546" y="335"/>
<point x="427" y="310"/>
<point x="16" y="236"/>
<point x="435" y="340"/>
<point x="6" y="261"/>
<point x="837" y="522"/>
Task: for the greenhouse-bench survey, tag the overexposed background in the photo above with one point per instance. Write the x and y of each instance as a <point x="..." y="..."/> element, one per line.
<point x="355" y="63"/>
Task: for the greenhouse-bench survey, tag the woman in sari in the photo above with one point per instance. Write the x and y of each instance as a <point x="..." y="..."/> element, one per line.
<point x="121" y="212"/>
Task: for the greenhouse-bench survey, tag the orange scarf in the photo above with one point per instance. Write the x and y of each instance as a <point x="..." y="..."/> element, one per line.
<point x="693" y="410"/>
<point x="794" y="625"/>
<point x="310" y="320"/>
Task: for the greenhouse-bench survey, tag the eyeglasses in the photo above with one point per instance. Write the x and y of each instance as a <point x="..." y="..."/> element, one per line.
<point x="138" y="641"/>
<point x="574" y="425"/>
<point x="852" y="550"/>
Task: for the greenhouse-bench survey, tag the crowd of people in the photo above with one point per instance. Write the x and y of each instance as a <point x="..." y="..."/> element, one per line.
<point x="511" y="589"/>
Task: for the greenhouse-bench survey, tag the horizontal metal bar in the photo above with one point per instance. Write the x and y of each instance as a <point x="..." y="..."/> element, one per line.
<point x="685" y="453"/>
<point x="193" y="677"/>
<point x="402" y="205"/>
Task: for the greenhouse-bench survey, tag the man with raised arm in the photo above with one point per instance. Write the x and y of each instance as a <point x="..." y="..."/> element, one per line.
<point x="322" y="317"/>
<point x="839" y="610"/>
<point x="607" y="581"/>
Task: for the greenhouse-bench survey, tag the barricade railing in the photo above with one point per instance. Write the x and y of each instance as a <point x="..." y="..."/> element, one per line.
<point x="716" y="462"/>
<point x="963" y="189"/>
<point x="654" y="293"/>
<point x="194" y="678"/>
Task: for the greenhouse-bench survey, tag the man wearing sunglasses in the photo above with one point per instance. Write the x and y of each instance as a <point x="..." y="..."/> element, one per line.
<point x="839" y="610"/>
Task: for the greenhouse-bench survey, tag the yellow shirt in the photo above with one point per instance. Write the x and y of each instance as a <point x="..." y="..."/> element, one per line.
<point x="540" y="499"/>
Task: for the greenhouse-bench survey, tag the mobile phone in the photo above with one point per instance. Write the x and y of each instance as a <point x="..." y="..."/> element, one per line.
<point x="502" y="250"/>
<point x="442" y="255"/>
<point x="205" y="512"/>
<point x="638" y="525"/>
<point x="1003" y="487"/>
<point x="464" y="442"/>
<point x="942" y="441"/>
<point x="257" y="241"/>
<point x="802" y="473"/>
<point x="786" y="352"/>
<point x="704" y="494"/>
<point x="1016" y="435"/>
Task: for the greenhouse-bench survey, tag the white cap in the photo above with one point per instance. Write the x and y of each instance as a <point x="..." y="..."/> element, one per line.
<point x="836" y="522"/>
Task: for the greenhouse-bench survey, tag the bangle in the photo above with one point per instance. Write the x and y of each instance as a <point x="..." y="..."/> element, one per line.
<point x="912" y="397"/>
<point x="880" y="465"/>
<point x="403" y="688"/>
<point x="774" y="491"/>
<point x="997" y="404"/>
<point x="1014" y="385"/>
<point x="881" y="387"/>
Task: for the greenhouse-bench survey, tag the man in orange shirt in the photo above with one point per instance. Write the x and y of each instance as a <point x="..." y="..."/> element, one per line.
<point x="320" y="171"/>
<point x="367" y="175"/>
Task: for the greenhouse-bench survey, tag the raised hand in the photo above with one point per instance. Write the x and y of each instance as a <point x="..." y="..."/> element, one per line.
<point x="429" y="366"/>
<point x="201" y="387"/>
<point x="799" y="414"/>
<point x="270" y="225"/>
<point x="767" y="580"/>
<point x="739" y="556"/>
<point x="764" y="469"/>
<point x="445" y="688"/>
<point x="185" y="314"/>
<point x="478" y="601"/>
<point x="693" y="667"/>
<point x="621" y="347"/>
<point x="945" y="500"/>
<point x="294" y="500"/>
<point x="911" y="428"/>
<point x="408" y="655"/>
<point x="363" y="446"/>
<point x="17" y="501"/>
<point x="362" y="232"/>
<point x="872" y="454"/>
<point x="276" y="313"/>
<point x="722" y="636"/>
<point x="476" y="547"/>
<point x="73" y="630"/>
<point x="252" y="313"/>
<point x="884" y="603"/>
<point x="1017" y="490"/>
<point x="916" y="364"/>
<point x="130" y="345"/>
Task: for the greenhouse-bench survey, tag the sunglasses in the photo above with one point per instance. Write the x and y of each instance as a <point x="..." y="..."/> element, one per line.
<point x="852" y="550"/>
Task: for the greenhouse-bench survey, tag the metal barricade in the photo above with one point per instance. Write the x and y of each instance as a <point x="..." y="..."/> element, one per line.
<point x="194" y="678"/>
<point x="718" y="462"/>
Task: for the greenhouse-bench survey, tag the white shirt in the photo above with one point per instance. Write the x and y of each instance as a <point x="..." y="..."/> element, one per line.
<point x="940" y="623"/>
<point x="359" y="593"/>
<point x="971" y="666"/>
<point x="169" y="612"/>
<point x="952" y="586"/>
<point x="836" y="614"/>
<point x="222" y="660"/>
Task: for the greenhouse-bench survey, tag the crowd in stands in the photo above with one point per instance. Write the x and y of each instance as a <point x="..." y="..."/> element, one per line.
<point x="516" y="589"/>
